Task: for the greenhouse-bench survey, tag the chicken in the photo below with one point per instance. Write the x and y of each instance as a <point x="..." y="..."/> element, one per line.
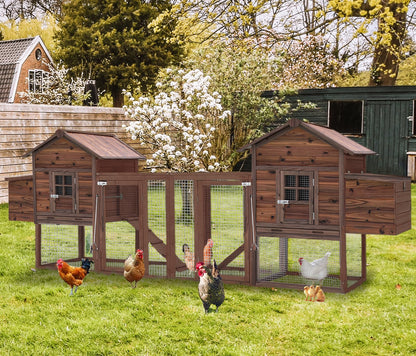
<point x="208" y="252"/>
<point x="319" y="294"/>
<point x="73" y="276"/>
<point x="134" y="268"/>
<point x="310" y="292"/>
<point x="210" y="288"/>
<point x="316" y="270"/>
<point x="189" y="258"/>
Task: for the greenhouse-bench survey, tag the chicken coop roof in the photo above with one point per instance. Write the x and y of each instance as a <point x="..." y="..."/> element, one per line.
<point x="102" y="146"/>
<point x="332" y="137"/>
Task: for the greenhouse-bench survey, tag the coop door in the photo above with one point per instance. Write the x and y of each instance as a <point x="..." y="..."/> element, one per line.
<point x="295" y="197"/>
<point x="63" y="192"/>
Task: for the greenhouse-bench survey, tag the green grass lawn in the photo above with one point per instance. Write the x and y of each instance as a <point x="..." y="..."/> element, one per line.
<point x="165" y="317"/>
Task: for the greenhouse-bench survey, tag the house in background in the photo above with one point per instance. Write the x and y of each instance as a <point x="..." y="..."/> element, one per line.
<point x="23" y="66"/>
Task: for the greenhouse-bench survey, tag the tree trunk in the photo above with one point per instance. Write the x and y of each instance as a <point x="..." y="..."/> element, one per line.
<point x="386" y="60"/>
<point x="118" y="97"/>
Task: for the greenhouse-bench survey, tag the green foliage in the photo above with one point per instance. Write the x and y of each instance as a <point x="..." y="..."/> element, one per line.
<point x="166" y="317"/>
<point x="111" y="41"/>
<point x="44" y="27"/>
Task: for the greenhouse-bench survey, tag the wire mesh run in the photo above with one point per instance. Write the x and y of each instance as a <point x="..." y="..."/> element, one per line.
<point x="120" y="243"/>
<point x="156" y="197"/>
<point x="227" y="226"/>
<point x="61" y="241"/>
<point x="278" y="260"/>
<point x="184" y="226"/>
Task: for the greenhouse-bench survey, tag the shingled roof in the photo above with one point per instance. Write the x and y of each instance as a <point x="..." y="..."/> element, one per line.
<point x="13" y="54"/>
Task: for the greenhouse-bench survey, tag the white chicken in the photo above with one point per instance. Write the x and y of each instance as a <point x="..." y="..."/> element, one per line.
<point x="316" y="270"/>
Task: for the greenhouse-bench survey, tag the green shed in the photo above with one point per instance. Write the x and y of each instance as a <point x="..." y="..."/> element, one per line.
<point x="380" y="118"/>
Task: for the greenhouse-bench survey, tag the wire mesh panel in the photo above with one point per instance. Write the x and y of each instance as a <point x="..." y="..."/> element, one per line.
<point x="156" y="197"/>
<point x="278" y="259"/>
<point x="119" y="243"/>
<point x="227" y="226"/>
<point x="61" y="241"/>
<point x="354" y="258"/>
<point x="184" y="226"/>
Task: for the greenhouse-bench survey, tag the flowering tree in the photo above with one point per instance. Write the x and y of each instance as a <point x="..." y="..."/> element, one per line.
<point x="57" y="89"/>
<point x="179" y="123"/>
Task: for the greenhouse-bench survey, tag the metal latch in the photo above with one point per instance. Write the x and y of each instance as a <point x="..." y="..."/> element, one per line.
<point x="102" y="183"/>
<point x="54" y="196"/>
<point x="283" y="202"/>
<point x="246" y="184"/>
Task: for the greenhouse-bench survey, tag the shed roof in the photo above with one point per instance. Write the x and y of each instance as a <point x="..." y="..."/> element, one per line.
<point x="99" y="145"/>
<point x="332" y="137"/>
<point x="13" y="53"/>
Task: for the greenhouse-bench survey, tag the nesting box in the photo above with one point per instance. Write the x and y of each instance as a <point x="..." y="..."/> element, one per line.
<point x="311" y="192"/>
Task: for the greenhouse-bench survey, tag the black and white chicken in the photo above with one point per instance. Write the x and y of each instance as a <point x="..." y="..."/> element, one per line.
<point x="210" y="288"/>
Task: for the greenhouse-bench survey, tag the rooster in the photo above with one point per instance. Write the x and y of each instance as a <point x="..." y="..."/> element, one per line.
<point x="134" y="268"/>
<point x="210" y="288"/>
<point x="208" y="252"/>
<point x="189" y="258"/>
<point x="316" y="270"/>
<point x="73" y="275"/>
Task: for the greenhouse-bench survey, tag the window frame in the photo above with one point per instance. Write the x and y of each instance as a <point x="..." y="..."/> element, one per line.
<point x="337" y="125"/>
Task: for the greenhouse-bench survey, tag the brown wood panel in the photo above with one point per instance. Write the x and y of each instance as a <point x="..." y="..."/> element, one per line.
<point x="328" y="198"/>
<point x="377" y="204"/>
<point x="62" y="154"/>
<point x="21" y="206"/>
<point x="113" y="165"/>
<point x="297" y="148"/>
<point x="266" y="195"/>
<point x="354" y="164"/>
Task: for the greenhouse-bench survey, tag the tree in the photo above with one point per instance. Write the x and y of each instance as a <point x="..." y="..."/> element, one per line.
<point x="111" y="41"/>
<point x="389" y="38"/>
<point x="179" y="123"/>
<point x="29" y="9"/>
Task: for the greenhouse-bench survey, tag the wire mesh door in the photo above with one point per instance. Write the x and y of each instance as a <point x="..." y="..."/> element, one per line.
<point x="228" y="230"/>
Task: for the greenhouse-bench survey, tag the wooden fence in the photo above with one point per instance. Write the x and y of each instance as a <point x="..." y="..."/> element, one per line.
<point x="24" y="126"/>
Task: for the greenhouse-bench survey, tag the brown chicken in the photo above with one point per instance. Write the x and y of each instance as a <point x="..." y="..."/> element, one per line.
<point x="73" y="276"/>
<point x="208" y="253"/>
<point x="134" y="268"/>
<point x="189" y="258"/>
<point x="319" y="294"/>
<point x="310" y="292"/>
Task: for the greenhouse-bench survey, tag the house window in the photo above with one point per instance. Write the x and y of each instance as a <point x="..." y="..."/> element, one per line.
<point x="346" y="116"/>
<point x="296" y="187"/>
<point x="63" y="185"/>
<point x="37" y="80"/>
<point x="414" y="118"/>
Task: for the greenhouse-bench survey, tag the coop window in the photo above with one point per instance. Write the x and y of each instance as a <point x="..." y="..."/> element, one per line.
<point x="346" y="116"/>
<point x="63" y="185"/>
<point x="296" y="187"/>
<point x="37" y="80"/>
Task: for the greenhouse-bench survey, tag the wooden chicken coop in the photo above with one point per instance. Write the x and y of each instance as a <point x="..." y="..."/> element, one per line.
<point x="60" y="196"/>
<point x="312" y="196"/>
<point x="307" y="194"/>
